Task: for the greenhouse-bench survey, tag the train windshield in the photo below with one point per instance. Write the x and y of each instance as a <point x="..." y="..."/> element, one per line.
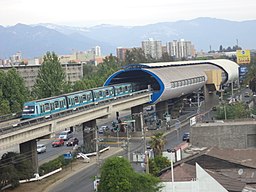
<point x="28" y="109"/>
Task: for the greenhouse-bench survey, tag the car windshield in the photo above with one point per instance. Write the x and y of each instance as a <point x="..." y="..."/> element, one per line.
<point x="57" y="140"/>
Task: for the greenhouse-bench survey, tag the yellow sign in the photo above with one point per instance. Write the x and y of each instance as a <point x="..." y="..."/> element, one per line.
<point x="243" y="56"/>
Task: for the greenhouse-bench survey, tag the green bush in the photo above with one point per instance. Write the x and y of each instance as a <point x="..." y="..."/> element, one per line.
<point x="53" y="165"/>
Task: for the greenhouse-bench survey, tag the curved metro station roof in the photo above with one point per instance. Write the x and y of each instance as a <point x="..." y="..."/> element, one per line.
<point x="174" y="79"/>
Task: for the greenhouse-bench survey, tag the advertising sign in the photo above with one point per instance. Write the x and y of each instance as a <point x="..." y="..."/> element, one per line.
<point x="243" y="56"/>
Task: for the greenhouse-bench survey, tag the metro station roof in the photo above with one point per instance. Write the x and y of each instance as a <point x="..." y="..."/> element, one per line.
<point x="161" y="76"/>
<point x="230" y="67"/>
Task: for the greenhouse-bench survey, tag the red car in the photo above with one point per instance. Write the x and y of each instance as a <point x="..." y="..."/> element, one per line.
<point x="57" y="142"/>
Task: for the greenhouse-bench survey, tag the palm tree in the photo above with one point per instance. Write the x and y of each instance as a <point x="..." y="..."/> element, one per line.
<point x="157" y="143"/>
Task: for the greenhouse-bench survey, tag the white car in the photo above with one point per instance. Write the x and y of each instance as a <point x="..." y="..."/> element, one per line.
<point x="41" y="148"/>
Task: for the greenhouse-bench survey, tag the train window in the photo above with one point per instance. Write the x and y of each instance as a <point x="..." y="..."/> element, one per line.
<point x="179" y="83"/>
<point x="56" y="103"/>
<point x="107" y="92"/>
<point x="175" y="84"/>
<point x="186" y="82"/>
<point x="182" y="82"/>
<point x="89" y="97"/>
<point x="100" y="93"/>
<point x="42" y="108"/>
<point x="84" y="99"/>
<point x="172" y="85"/>
<point x="76" y="99"/>
<point x="126" y="88"/>
<point x="47" y="107"/>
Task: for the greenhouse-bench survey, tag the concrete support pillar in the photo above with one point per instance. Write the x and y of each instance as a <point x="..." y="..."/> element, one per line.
<point x="161" y="109"/>
<point x="135" y="112"/>
<point x="89" y="135"/>
<point x="29" y="149"/>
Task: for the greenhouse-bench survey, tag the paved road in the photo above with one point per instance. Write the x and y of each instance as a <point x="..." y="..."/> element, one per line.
<point x="83" y="180"/>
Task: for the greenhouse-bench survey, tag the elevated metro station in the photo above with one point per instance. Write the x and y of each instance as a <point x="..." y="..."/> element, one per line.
<point x="170" y="80"/>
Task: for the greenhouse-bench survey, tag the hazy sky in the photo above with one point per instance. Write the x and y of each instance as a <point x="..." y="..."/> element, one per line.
<point x="121" y="12"/>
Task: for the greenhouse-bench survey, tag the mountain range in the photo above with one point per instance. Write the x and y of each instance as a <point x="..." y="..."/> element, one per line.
<point x="204" y="33"/>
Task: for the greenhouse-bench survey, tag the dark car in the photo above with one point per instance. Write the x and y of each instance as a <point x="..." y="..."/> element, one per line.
<point x="185" y="137"/>
<point x="57" y="142"/>
<point x="72" y="142"/>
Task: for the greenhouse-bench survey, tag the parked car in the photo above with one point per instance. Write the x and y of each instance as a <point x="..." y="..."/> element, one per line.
<point x="72" y="142"/>
<point x="185" y="137"/>
<point x="41" y="148"/>
<point x="57" y="142"/>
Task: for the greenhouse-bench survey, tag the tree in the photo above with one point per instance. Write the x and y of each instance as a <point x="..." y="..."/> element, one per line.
<point x="51" y="77"/>
<point x="135" y="56"/>
<point x="233" y="111"/>
<point x="251" y="77"/>
<point x="157" y="164"/>
<point x="14" y="167"/>
<point x="13" y="91"/>
<point x="118" y="175"/>
<point x="157" y="143"/>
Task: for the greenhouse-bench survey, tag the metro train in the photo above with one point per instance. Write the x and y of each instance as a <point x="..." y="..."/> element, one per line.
<point x="48" y="106"/>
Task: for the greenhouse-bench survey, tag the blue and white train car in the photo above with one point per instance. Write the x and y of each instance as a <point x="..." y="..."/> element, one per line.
<point x="79" y="98"/>
<point x="43" y="107"/>
<point x="103" y="93"/>
<point x="123" y="89"/>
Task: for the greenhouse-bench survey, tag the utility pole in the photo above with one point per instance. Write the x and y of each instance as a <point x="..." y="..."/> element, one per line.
<point x="97" y="144"/>
<point x="145" y="143"/>
<point x="128" y="144"/>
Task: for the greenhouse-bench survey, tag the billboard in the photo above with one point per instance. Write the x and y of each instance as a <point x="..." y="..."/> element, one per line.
<point x="243" y="56"/>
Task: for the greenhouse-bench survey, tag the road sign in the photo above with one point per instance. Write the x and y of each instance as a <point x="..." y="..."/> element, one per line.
<point x="68" y="156"/>
<point x="192" y="121"/>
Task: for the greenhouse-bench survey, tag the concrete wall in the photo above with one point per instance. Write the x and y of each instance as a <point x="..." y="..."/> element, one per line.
<point x="238" y="135"/>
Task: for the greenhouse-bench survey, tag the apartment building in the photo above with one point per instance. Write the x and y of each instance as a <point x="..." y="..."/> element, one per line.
<point x="121" y="53"/>
<point x="181" y="49"/>
<point x="74" y="72"/>
<point x="152" y="48"/>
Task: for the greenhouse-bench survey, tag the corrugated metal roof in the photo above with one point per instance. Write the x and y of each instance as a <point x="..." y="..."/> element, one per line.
<point x="230" y="67"/>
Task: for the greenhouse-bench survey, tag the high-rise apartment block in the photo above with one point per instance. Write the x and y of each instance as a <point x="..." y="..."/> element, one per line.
<point x="152" y="48"/>
<point x="97" y="51"/>
<point x="121" y="53"/>
<point x="181" y="49"/>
